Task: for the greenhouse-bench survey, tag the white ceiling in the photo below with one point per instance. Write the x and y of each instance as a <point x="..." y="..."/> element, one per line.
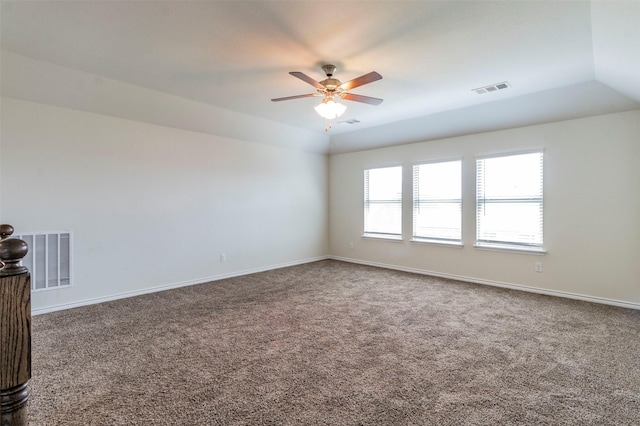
<point x="563" y="59"/>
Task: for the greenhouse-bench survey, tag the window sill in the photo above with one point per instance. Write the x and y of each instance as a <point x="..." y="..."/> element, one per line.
<point x="437" y="243"/>
<point x="396" y="238"/>
<point x="511" y="249"/>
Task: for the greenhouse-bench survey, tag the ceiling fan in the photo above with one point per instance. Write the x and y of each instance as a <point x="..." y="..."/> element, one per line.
<point x="331" y="88"/>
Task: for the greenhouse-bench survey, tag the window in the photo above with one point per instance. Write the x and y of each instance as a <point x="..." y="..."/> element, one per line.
<point x="509" y="201"/>
<point x="437" y="202"/>
<point x="383" y="202"/>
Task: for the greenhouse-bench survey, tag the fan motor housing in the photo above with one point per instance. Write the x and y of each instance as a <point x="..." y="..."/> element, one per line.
<point x="331" y="83"/>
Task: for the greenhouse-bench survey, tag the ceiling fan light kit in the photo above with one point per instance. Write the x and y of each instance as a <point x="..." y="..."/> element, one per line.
<point x="332" y="87"/>
<point x="330" y="109"/>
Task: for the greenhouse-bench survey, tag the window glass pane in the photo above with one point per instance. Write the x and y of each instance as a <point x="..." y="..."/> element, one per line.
<point x="509" y="200"/>
<point x="383" y="218"/>
<point x="438" y="220"/>
<point x="513" y="176"/>
<point x="383" y="201"/>
<point x="385" y="184"/>
<point x="437" y="203"/>
<point x="511" y="222"/>
<point x="439" y="180"/>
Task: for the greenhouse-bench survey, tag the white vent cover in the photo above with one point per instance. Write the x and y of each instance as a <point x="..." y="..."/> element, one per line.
<point x="492" y="88"/>
<point x="48" y="259"/>
<point x="352" y="121"/>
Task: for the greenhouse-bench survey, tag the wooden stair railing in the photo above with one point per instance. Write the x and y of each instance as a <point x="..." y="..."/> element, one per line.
<point x="15" y="330"/>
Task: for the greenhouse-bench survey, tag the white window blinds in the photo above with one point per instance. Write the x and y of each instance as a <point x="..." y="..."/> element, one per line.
<point x="509" y="201"/>
<point x="383" y="202"/>
<point x="437" y="202"/>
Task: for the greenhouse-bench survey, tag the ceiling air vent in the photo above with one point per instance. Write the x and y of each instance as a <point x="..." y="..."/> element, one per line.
<point x="492" y="88"/>
<point x="352" y="121"/>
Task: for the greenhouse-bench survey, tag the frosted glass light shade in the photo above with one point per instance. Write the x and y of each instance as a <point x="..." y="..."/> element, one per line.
<point x="330" y="109"/>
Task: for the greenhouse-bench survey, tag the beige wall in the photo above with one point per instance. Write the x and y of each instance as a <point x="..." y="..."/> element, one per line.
<point x="592" y="209"/>
<point x="152" y="206"/>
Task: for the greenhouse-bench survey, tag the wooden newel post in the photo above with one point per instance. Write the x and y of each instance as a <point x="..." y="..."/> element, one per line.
<point x="15" y="330"/>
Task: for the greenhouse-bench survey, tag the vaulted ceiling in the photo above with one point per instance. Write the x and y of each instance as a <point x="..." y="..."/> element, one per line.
<point x="562" y="59"/>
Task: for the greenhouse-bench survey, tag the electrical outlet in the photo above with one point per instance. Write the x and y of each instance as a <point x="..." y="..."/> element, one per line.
<point x="538" y="267"/>
<point x="223" y="257"/>
<point x="351" y="246"/>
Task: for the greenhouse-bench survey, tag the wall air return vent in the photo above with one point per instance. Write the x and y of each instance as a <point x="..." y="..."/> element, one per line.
<point x="48" y="259"/>
<point x="492" y="88"/>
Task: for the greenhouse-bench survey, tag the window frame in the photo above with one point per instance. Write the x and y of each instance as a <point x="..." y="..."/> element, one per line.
<point x="459" y="201"/>
<point x="392" y="236"/>
<point x="488" y="244"/>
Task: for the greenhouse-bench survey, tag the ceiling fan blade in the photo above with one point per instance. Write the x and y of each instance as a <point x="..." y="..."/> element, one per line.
<point x="307" y="79"/>
<point x="363" y="79"/>
<point x="288" y="98"/>
<point x="364" y="99"/>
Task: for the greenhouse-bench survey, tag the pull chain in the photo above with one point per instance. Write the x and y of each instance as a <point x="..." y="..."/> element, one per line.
<point x="328" y="126"/>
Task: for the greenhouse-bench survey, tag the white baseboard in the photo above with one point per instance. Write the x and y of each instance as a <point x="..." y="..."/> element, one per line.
<point x="529" y="289"/>
<point x="594" y="299"/>
<point x="125" y="295"/>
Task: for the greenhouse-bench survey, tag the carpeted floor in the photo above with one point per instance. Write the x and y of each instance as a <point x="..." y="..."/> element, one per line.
<point x="332" y="343"/>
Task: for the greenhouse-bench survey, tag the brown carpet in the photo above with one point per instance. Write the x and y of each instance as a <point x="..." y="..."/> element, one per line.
<point x="332" y="343"/>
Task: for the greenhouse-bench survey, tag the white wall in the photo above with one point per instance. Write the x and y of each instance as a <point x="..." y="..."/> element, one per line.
<point x="591" y="212"/>
<point x="42" y="82"/>
<point x="152" y="206"/>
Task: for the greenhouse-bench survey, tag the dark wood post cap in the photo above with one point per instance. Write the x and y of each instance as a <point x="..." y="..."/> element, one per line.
<point x="5" y="231"/>
<point x="12" y="250"/>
